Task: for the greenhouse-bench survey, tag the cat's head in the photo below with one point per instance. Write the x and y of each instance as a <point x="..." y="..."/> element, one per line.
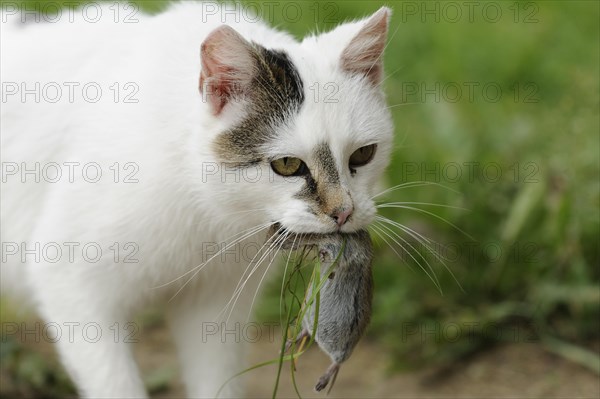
<point x="308" y="122"/>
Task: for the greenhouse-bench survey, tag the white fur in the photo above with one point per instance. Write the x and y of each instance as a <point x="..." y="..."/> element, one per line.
<point x="175" y="207"/>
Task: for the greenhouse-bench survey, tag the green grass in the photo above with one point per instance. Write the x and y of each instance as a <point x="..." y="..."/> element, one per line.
<point x="545" y="219"/>
<point x="542" y="213"/>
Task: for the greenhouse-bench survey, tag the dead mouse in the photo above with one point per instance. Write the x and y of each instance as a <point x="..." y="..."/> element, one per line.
<point x="345" y="300"/>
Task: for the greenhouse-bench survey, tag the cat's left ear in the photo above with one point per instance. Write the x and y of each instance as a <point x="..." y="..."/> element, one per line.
<point x="228" y="66"/>
<point x="363" y="56"/>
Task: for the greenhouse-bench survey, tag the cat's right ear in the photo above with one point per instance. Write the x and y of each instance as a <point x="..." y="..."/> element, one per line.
<point x="228" y="66"/>
<point x="363" y="56"/>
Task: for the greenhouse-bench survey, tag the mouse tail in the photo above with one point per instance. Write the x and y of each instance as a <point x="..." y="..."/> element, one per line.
<point x="333" y="377"/>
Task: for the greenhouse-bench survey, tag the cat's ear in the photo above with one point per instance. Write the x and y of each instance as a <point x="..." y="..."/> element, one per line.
<point x="363" y="56"/>
<point x="228" y="66"/>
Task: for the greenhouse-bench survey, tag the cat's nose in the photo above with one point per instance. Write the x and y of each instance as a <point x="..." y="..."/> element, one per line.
<point x="342" y="216"/>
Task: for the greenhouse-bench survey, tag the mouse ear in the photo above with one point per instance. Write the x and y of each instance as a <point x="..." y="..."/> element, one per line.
<point x="363" y="56"/>
<point x="228" y="66"/>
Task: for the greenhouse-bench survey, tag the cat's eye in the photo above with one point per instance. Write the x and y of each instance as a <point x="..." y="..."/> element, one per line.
<point x="289" y="166"/>
<point x="362" y="156"/>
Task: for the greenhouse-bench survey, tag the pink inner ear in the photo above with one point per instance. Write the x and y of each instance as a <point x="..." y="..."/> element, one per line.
<point x="227" y="66"/>
<point x="214" y="84"/>
<point x="363" y="56"/>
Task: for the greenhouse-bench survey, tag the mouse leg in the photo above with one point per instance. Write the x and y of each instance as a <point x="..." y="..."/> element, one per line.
<point x="299" y="338"/>
<point x="330" y="374"/>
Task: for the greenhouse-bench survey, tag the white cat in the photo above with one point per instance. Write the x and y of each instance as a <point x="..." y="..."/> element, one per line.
<point x="130" y="151"/>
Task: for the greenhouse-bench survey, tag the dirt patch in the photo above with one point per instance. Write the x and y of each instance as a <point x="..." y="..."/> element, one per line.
<point x="515" y="370"/>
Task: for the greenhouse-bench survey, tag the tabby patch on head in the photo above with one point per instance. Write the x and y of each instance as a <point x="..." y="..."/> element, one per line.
<point x="265" y="80"/>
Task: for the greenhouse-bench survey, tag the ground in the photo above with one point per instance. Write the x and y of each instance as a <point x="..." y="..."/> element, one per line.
<point x="514" y="370"/>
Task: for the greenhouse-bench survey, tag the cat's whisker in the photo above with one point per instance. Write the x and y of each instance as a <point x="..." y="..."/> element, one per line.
<point x="431" y="214"/>
<point x="420" y="242"/>
<point x="421" y="203"/>
<point x="247" y="211"/>
<point x="287" y="234"/>
<point x="432" y="276"/>
<point x="424" y="241"/>
<point x="248" y="267"/>
<point x="390" y="75"/>
<point x="200" y="267"/>
<point x="403" y="104"/>
<point x="244" y="234"/>
<point x="375" y="230"/>
<point x="278" y="240"/>
<point x="200" y="224"/>
<point x="412" y="184"/>
<point x="413" y="233"/>
<point x="269" y="242"/>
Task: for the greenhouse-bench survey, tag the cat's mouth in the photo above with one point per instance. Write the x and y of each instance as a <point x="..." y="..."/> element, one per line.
<point x="286" y="238"/>
<point x="277" y="229"/>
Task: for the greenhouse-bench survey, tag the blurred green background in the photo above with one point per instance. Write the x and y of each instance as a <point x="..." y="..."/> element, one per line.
<point x="502" y="110"/>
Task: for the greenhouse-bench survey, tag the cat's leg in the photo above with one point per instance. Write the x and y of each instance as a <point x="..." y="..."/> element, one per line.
<point x="210" y="351"/>
<point x="90" y="330"/>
